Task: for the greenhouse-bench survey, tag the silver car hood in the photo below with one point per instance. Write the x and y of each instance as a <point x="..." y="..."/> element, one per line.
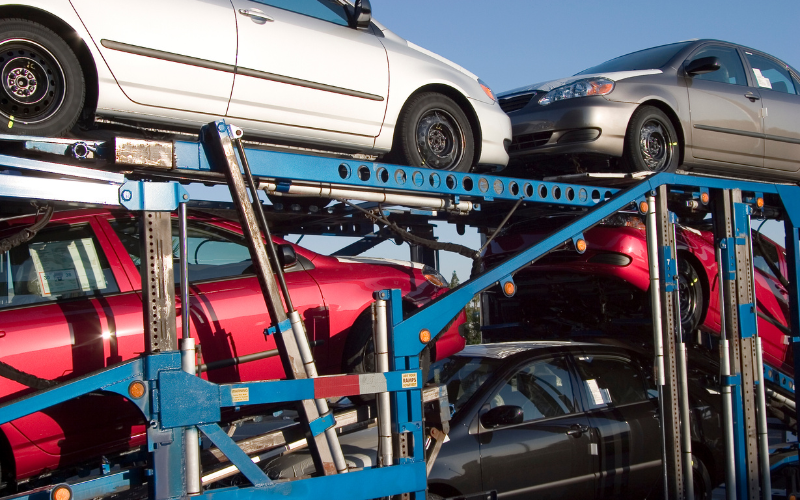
<point x="552" y="84"/>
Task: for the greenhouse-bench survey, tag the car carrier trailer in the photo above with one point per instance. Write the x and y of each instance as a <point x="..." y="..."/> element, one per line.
<point x="146" y="176"/>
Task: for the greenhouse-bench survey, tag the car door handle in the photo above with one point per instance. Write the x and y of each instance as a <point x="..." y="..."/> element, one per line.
<point x="255" y="14"/>
<point x="752" y="97"/>
<point x="577" y="431"/>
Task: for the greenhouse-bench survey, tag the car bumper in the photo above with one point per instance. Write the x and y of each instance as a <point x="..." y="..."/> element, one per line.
<point x="495" y="133"/>
<point x="583" y="125"/>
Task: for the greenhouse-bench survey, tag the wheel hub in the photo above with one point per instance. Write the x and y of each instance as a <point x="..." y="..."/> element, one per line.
<point x="32" y="84"/>
<point x="656" y="146"/>
<point x="21" y="82"/>
<point x="440" y="141"/>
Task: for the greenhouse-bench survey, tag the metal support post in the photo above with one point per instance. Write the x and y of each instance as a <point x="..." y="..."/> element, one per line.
<point x="191" y="437"/>
<point x="658" y="341"/>
<point x="727" y="397"/>
<point x="221" y="148"/>
<point x="672" y="416"/>
<point x="381" y="338"/>
<point x="792" y="244"/>
<point x="740" y="328"/>
<point x="683" y="375"/>
<point x="422" y="254"/>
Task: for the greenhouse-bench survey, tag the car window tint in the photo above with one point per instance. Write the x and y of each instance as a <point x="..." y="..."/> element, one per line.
<point x="212" y="252"/>
<point x="611" y="382"/>
<point x="770" y="74"/>
<point x="58" y="264"/>
<point x="463" y="376"/>
<point x="652" y="58"/>
<point x="542" y="389"/>
<point x="760" y="257"/>
<point x="325" y="10"/>
<point x="731" y="69"/>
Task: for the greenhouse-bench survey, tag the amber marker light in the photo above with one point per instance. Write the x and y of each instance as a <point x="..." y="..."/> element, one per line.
<point x="643" y="207"/>
<point x="487" y="90"/>
<point x="136" y="389"/>
<point x="424" y="335"/>
<point x="62" y="492"/>
<point x="580" y="245"/>
<point x="760" y="202"/>
<point x="509" y="288"/>
<point x="704" y="198"/>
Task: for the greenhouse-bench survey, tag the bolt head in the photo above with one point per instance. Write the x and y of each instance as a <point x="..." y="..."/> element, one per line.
<point x="127" y="195"/>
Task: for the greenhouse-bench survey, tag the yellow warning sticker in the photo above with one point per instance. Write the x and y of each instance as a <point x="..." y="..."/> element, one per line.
<point x="409" y="380"/>
<point x="240" y="394"/>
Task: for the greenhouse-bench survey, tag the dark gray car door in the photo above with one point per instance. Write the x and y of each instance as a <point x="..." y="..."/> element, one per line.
<point x="548" y="455"/>
<point x="726" y="123"/>
<point x="781" y="104"/>
<point x="619" y="408"/>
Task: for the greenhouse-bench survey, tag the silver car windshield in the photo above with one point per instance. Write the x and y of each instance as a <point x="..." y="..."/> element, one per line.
<point x="652" y="58"/>
<point x="463" y="376"/>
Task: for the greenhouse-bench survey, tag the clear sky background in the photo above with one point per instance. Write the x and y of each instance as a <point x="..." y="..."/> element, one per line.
<point x="518" y="42"/>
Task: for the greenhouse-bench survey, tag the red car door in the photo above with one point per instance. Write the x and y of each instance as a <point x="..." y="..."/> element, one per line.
<point x="64" y="300"/>
<point x="228" y="313"/>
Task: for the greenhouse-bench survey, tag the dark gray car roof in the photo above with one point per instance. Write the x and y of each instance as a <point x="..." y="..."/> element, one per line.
<point x="505" y="349"/>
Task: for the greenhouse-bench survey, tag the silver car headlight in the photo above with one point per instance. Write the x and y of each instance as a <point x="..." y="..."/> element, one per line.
<point x="580" y="88"/>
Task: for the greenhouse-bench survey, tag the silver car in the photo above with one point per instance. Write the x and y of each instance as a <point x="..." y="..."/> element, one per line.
<point x="295" y="71"/>
<point x="708" y="105"/>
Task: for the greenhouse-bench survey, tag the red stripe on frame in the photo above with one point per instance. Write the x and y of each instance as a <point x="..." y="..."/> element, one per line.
<point x="329" y="387"/>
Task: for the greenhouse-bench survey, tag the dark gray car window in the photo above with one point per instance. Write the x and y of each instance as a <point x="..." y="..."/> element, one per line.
<point x="731" y="69"/>
<point x="611" y="381"/>
<point x="542" y="389"/>
<point x="769" y="74"/>
<point x="58" y="264"/>
<point x="652" y="58"/>
<point x="326" y="10"/>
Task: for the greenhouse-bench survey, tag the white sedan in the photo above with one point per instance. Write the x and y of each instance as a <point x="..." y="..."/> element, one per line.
<point x="318" y="72"/>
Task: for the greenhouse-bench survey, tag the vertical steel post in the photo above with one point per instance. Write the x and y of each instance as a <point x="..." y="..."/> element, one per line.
<point x="727" y="396"/>
<point x="658" y="342"/>
<point x="672" y="417"/>
<point x="740" y="327"/>
<point x="792" y="244"/>
<point x="191" y="438"/>
<point x="381" y="338"/>
<point x="683" y="378"/>
<point x="158" y="295"/>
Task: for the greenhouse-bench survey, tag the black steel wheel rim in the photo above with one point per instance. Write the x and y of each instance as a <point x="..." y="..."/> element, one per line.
<point x="655" y="145"/>
<point x="440" y="141"/>
<point x="32" y="81"/>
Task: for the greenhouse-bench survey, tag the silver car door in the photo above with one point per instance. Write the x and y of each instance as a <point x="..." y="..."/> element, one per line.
<point x="781" y="103"/>
<point x="725" y="112"/>
<point x="301" y="65"/>
<point x="177" y="54"/>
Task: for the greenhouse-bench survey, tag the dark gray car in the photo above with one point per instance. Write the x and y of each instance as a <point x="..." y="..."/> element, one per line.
<point x="708" y="105"/>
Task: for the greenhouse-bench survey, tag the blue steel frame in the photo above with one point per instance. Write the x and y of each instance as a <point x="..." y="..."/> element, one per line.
<point x="175" y="399"/>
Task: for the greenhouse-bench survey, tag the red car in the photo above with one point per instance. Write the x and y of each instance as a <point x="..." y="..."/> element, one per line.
<point x="603" y="288"/>
<point x="71" y="304"/>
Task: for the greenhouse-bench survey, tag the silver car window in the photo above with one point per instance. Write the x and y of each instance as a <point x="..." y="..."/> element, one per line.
<point x="731" y="69"/>
<point x="325" y="10"/>
<point x="770" y="74"/>
<point x="542" y="389"/>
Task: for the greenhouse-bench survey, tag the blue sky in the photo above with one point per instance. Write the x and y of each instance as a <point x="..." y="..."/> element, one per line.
<point x="518" y="42"/>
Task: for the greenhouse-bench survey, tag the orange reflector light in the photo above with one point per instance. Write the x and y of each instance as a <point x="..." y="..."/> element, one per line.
<point x="580" y="245"/>
<point x="509" y="288"/>
<point x="424" y="335"/>
<point x="61" y="493"/>
<point x="136" y="389"/>
<point x="760" y="202"/>
<point x="704" y="197"/>
<point x="643" y="207"/>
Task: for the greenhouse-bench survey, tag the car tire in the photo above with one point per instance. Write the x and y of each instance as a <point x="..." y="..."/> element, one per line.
<point x="651" y="143"/>
<point x="691" y="295"/>
<point x="359" y="353"/>
<point x="701" y="480"/>
<point x="433" y="132"/>
<point x="42" y="88"/>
